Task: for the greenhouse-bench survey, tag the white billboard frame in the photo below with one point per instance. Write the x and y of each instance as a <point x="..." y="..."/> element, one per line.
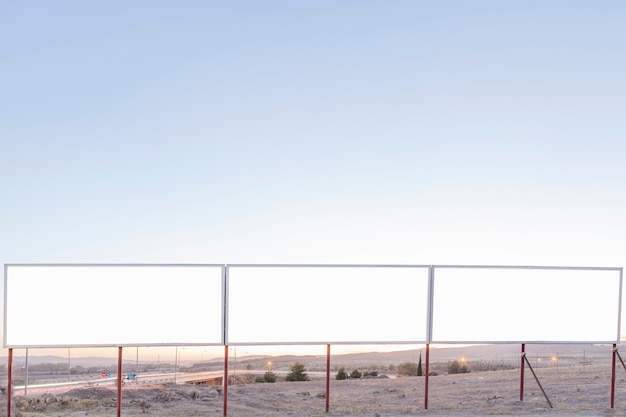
<point x="616" y="306"/>
<point x="120" y="301"/>
<point x="220" y="302"/>
<point x="332" y="338"/>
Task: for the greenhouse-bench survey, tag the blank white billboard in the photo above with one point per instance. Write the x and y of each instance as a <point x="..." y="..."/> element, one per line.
<point x="524" y="305"/>
<point x="327" y="304"/>
<point x="113" y="305"/>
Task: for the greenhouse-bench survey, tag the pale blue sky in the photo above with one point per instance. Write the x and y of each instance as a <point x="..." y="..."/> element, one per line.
<point x="413" y="132"/>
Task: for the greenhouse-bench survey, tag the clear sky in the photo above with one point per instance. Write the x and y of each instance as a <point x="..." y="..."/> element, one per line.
<point x="411" y="132"/>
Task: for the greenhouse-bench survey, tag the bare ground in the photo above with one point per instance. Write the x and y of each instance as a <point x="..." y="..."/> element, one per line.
<point x="572" y="391"/>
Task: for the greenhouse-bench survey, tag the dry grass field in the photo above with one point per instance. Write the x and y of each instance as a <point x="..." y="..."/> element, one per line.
<point x="574" y="389"/>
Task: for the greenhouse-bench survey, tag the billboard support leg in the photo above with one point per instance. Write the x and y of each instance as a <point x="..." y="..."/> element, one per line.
<point x="618" y="356"/>
<point x="225" y="382"/>
<point x="613" y="356"/>
<point x="9" y="382"/>
<point x="327" y="377"/>
<point x="119" y="381"/>
<point x="521" y="373"/>
<point x="426" y="376"/>
<point x="524" y="358"/>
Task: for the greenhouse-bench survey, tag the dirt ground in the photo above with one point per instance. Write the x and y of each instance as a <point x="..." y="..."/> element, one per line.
<point x="572" y="391"/>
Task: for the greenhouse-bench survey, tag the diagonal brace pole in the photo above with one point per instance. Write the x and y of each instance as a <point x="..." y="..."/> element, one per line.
<point x="536" y="379"/>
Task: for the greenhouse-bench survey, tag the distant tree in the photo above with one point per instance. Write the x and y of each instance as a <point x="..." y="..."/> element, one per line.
<point x="63" y="367"/>
<point x="270" y="376"/>
<point x="420" y="372"/>
<point x="356" y="374"/>
<point x="453" y="367"/>
<point x="457" y="368"/>
<point x="77" y="370"/>
<point x="341" y="374"/>
<point x="297" y="372"/>
<point x="407" y="369"/>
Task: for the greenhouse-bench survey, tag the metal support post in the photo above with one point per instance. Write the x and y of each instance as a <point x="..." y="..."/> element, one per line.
<point x="225" y="382"/>
<point x="119" y="381"/>
<point x="427" y="376"/>
<point x="613" y="356"/>
<point x="521" y="373"/>
<point x="327" y="377"/>
<point x="613" y="370"/>
<point x="9" y="382"/>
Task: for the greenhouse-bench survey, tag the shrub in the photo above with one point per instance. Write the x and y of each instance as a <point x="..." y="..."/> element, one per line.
<point x="456" y="368"/>
<point x="270" y="376"/>
<point x="370" y="373"/>
<point x="342" y="374"/>
<point x="356" y="374"/>
<point x="297" y="372"/>
<point x="491" y="366"/>
<point x="407" y="369"/>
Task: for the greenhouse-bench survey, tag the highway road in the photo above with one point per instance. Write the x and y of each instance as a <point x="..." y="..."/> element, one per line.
<point x="142" y="379"/>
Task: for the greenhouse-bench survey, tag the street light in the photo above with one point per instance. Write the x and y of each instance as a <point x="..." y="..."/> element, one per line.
<point x="26" y="379"/>
<point x="555" y="359"/>
<point x="180" y="352"/>
<point x="177" y="363"/>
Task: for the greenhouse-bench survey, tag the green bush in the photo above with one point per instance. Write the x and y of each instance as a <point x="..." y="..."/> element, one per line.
<point x="356" y="374"/>
<point x="341" y="374"/>
<point x="270" y="376"/>
<point x="297" y="372"/>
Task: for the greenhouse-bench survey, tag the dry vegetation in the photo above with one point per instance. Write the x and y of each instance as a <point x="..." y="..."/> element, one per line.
<point x="574" y="390"/>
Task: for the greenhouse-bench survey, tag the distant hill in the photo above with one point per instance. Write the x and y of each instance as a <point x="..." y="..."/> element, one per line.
<point x="510" y="353"/>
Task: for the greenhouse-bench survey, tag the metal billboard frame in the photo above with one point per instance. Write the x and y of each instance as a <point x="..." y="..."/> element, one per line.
<point x="426" y="306"/>
<point x="219" y="337"/>
<point x="431" y="300"/>
<point x="618" y="304"/>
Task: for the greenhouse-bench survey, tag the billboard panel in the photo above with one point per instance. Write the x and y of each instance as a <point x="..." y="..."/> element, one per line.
<point x="292" y="304"/>
<point x="526" y="304"/>
<point x="113" y="305"/>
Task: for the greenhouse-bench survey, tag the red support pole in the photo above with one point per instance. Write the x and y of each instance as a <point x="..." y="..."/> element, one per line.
<point x="521" y="373"/>
<point x="327" y="377"/>
<point x="426" y="376"/>
<point x="613" y="375"/>
<point x="225" y="380"/>
<point x="119" y="381"/>
<point x="9" y="382"/>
